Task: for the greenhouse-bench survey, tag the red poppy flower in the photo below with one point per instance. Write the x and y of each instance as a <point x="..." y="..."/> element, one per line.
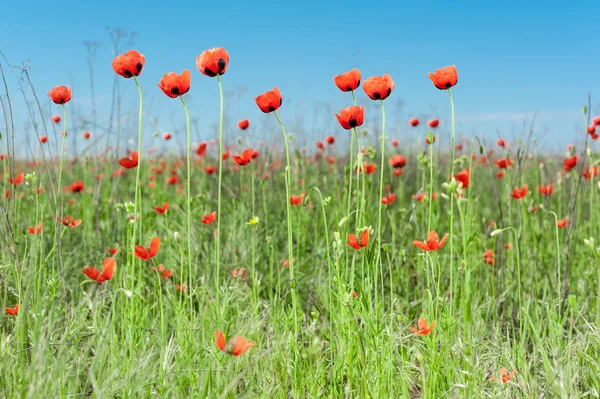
<point x="209" y="170"/>
<point x="69" y="221"/>
<point x="320" y="146"/>
<point x="433" y="123"/>
<point x="129" y="163"/>
<point x="444" y="78"/>
<point x="519" y="193"/>
<point x="174" y="85"/>
<point x="379" y="87"/>
<point x="35" y="230"/>
<point x="129" y="64"/>
<point x="398" y="172"/>
<point x="388" y="199"/>
<point x="351" y="117"/>
<point x="570" y="163"/>
<point x="209" y="218"/>
<point x="596" y="120"/>
<point x="163" y="209"/>
<point x="368" y="168"/>
<point x="433" y="243"/>
<point x="348" y="81"/>
<point x="241" y="273"/>
<point x="201" y="150"/>
<point x="296" y="199"/>
<point x="355" y="243"/>
<point x="12" y="311"/>
<point x="244" y="124"/>
<point x="172" y="180"/>
<point x="112" y="251"/>
<point x="504" y="376"/>
<point x="236" y="346"/>
<point x="56" y="118"/>
<point x="546" y="190"/>
<point x="86" y="135"/>
<point x="245" y="158"/>
<point x="43" y="139"/>
<point x="488" y="256"/>
<point x="60" y="94"/>
<point x="108" y="270"/>
<point x="590" y="173"/>
<point x="395" y="143"/>
<point x="77" y="186"/>
<point x="503" y="163"/>
<point x="413" y="122"/>
<point x="269" y="101"/>
<point x="144" y="253"/>
<point x="562" y="223"/>
<point x="463" y="177"/>
<point x="17" y="180"/>
<point x="213" y="62"/>
<point x="162" y="271"/>
<point x="591" y="129"/>
<point x="398" y="161"/>
<point x="226" y="155"/>
<point x="330" y="140"/>
<point x="501" y="143"/>
<point x="423" y="327"/>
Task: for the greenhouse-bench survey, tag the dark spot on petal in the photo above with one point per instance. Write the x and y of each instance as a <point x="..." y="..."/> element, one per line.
<point x="127" y="73"/>
<point x="280" y="101"/>
<point x="138" y="68"/>
<point x="348" y="88"/>
<point x="389" y="91"/>
<point x="358" y="83"/>
<point x="221" y="64"/>
<point x="210" y="73"/>
<point x="352" y="123"/>
<point x="376" y="96"/>
<point x="175" y="90"/>
<point x="448" y="85"/>
<point x="271" y="108"/>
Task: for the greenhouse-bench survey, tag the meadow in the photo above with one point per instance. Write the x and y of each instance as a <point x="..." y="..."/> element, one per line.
<point x="246" y="269"/>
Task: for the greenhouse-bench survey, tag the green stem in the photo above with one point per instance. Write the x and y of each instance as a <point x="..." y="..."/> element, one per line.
<point x="189" y="197"/>
<point x="218" y="245"/>
<point x="452" y="206"/>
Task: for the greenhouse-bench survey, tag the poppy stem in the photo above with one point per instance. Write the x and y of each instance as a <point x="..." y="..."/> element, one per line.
<point x="59" y="210"/>
<point x="452" y="209"/>
<point x="138" y="197"/>
<point x="218" y="249"/>
<point x="189" y="196"/>
<point x="379" y="262"/>
<point x="290" y="242"/>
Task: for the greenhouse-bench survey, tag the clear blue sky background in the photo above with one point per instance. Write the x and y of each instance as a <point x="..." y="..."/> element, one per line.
<point x="514" y="58"/>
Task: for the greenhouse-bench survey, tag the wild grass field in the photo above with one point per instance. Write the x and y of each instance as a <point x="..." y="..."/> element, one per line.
<point x="252" y="269"/>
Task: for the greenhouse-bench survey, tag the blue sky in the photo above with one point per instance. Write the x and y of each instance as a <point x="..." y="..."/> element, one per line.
<point x="513" y="59"/>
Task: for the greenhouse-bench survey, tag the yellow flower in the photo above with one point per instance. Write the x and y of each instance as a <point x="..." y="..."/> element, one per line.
<point x="255" y="220"/>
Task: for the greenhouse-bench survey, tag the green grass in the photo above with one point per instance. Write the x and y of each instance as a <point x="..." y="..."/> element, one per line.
<point x="137" y="336"/>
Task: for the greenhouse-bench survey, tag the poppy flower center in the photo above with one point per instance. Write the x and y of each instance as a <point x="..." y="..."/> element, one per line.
<point x="175" y="90"/>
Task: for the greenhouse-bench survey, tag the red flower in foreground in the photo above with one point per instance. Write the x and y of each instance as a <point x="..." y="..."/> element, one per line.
<point x="504" y="376"/>
<point x="213" y="62"/>
<point x="398" y="161"/>
<point x="17" y="180"/>
<point x="433" y="123"/>
<point x="562" y="223"/>
<point x="379" y="87"/>
<point x="518" y="193"/>
<point x="60" y="94"/>
<point x="12" y="311"/>
<point x="355" y="243"/>
<point x="388" y="199"/>
<point x="129" y="64"/>
<point x="108" y="270"/>
<point x="209" y="218"/>
<point x="433" y="243"/>
<point x="269" y="101"/>
<point x="129" y="163"/>
<point x="35" y="230"/>
<point x="69" y="221"/>
<point x="296" y="199"/>
<point x="236" y="346"/>
<point x="245" y="158"/>
<point x="77" y="186"/>
<point x="444" y="78"/>
<point x="503" y="163"/>
<point x="546" y="190"/>
<point x="244" y="124"/>
<point x="424" y="329"/>
<point x="348" y="81"/>
<point x="144" y="253"/>
<point x="570" y="163"/>
<point x="463" y="177"/>
<point x="174" y="85"/>
<point x="351" y="117"/>
<point x="162" y="210"/>
<point x="413" y="122"/>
